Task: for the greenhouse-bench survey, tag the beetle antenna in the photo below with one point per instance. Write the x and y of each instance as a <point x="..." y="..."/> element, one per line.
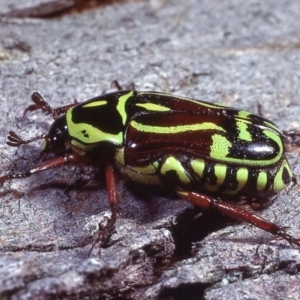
<point x="40" y="103"/>
<point x="14" y="140"/>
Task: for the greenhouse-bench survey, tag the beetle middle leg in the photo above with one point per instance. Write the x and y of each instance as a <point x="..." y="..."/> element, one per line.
<point x="110" y="178"/>
<point x="208" y="202"/>
<point x="75" y="159"/>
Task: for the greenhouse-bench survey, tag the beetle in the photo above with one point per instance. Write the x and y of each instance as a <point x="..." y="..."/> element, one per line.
<point x="205" y="152"/>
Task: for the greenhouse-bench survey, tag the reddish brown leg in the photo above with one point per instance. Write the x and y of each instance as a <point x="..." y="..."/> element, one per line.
<point x="49" y="164"/>
<point x="117" y="85"/>
<point x="104" y="234"/>
<point x="233" y="211"/>
<point x="76" y="159"/>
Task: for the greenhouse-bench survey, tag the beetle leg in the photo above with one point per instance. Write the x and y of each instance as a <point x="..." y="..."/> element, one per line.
<point x="75" y="159"/>
<point x="110" y="178"/>
<point x="117" y="85"/>
<point x="207" y="202"/>
<point x="49" y="164"/>
<point x="40" y="103"/>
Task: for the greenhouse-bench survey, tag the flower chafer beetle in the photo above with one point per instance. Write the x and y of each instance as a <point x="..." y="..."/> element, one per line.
<point x="203" y="151"/>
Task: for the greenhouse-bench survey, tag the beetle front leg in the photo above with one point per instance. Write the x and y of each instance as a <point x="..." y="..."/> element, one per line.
<point x="49" y="164"/>
<point x="207" y="202"/>
<point x="76" y="159"/>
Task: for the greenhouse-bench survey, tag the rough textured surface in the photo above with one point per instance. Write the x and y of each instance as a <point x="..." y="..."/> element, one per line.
<point x="220" y="51"/>
<point x="42" y="8"/>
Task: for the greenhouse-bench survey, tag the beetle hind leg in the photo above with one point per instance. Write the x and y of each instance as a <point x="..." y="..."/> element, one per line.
<point x="208" y="202"/>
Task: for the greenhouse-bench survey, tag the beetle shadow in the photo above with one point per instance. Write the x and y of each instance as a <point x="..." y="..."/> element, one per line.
<point x="144" y="192"/>
<point x="80" y="198"/>
<point x="146" y="203"/>
<point x="192" y="224"/>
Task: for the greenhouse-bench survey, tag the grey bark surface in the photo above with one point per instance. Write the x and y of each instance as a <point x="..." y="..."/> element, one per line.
<point x="246" y="56"/>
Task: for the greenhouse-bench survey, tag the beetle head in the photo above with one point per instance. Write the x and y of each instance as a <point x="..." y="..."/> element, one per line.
<point x="55" y="139"/>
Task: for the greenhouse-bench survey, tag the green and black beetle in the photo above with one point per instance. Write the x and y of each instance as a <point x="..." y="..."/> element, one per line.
<point x="205" y="152"/>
